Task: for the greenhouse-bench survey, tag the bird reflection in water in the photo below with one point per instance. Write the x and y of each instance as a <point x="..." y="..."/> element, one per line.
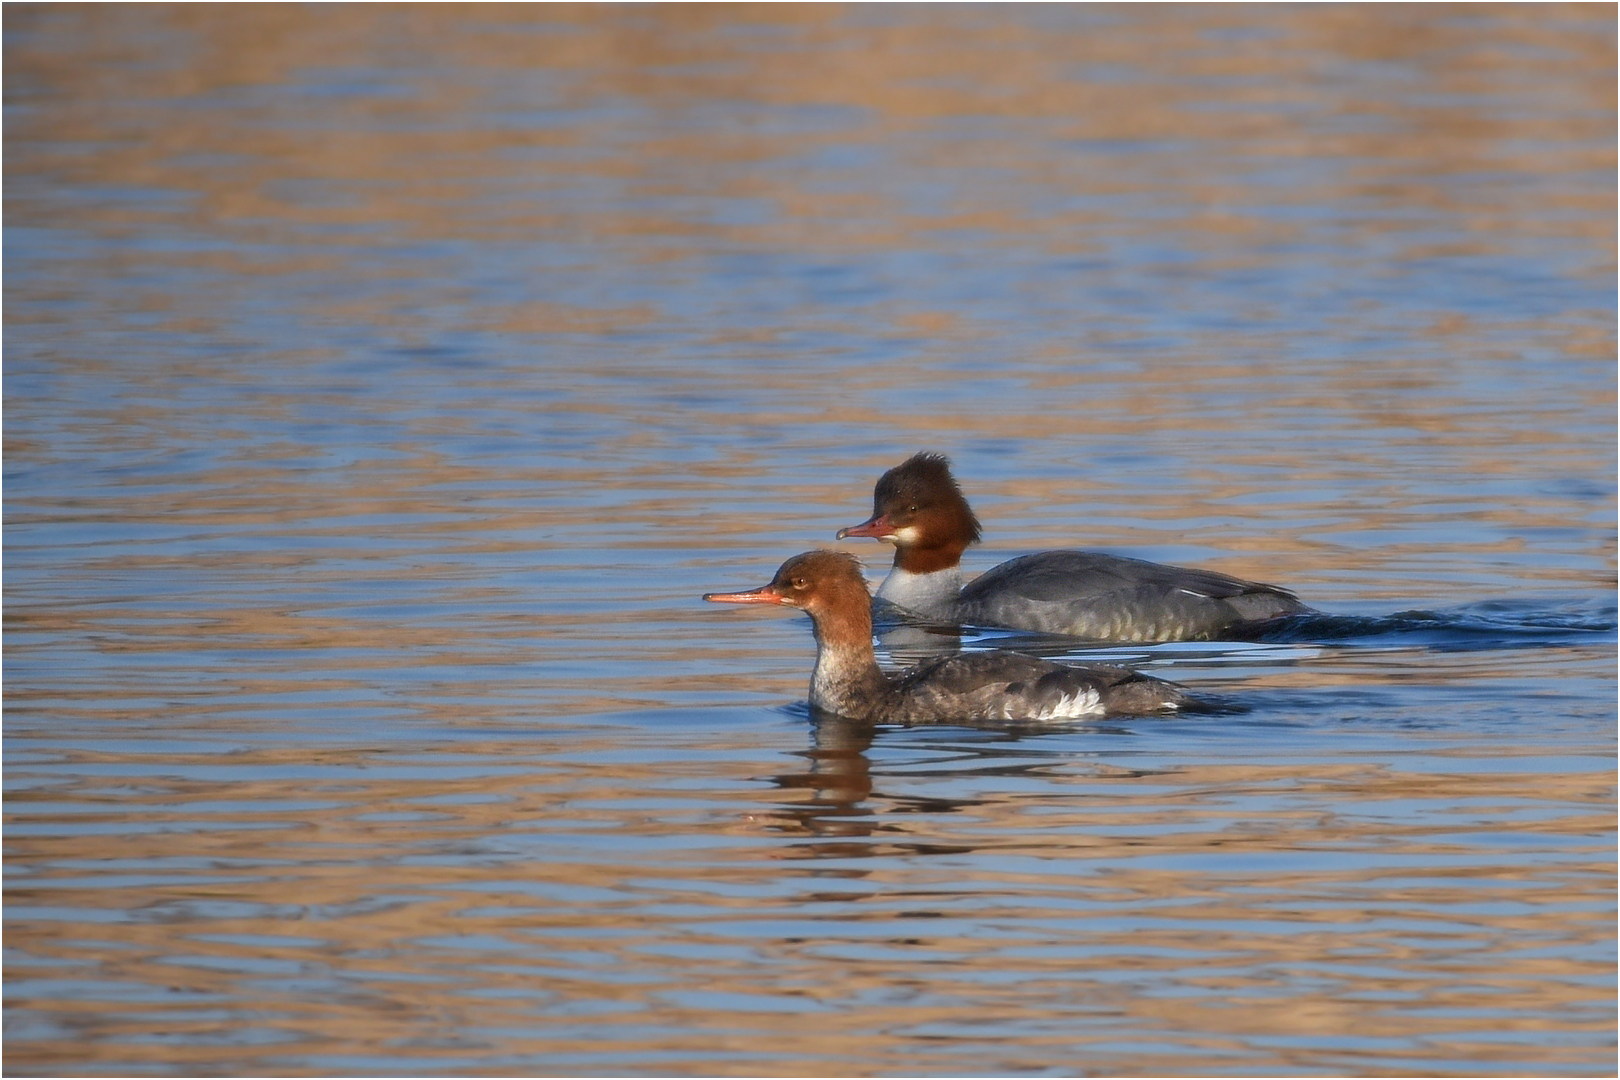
<point x="839" y="780"/>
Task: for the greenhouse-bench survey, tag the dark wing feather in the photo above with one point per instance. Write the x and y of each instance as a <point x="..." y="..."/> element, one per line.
<point x="1013" y="686"/>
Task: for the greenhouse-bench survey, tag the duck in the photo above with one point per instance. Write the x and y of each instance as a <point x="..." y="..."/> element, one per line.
<point x="920" y="509"/>
<point x="994" y="686"/>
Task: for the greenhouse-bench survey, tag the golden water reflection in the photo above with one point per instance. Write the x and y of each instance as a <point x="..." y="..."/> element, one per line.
<point x="560" y="905"/>
<point x="385" y="383"/>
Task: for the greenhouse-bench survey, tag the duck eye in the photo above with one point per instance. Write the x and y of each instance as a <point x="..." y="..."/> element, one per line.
<point x="798" y="583"/>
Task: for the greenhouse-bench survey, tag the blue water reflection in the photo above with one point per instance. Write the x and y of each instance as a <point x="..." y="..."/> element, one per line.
<point x="384" y="385"/>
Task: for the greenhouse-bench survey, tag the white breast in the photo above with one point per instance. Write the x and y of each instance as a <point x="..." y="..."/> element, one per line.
<point x="933" y="594"/>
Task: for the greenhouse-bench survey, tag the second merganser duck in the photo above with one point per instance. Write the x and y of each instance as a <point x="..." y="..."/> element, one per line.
<point x="997" y="686"/>
<point x="918" y="508"/>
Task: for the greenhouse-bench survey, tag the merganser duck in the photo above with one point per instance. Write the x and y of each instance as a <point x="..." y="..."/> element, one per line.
<point x="918" y="508"/>
<point x="1000" y="686"/>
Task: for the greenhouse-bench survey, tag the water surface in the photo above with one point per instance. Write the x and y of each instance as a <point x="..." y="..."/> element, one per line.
<point x="384" y="386"/>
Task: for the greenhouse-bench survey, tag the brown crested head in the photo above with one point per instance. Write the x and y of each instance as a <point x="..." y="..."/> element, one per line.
<point x="917" y="507"/>
<point x="921" y="493"/>
<point x="817" y="578"/>
<point x="814" y="581"/>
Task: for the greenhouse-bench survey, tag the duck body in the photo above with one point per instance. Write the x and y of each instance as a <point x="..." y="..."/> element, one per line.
<point x="979" y="686"/>
<point x="918" y="507"/>
<point x="1112" y="598"/>
<point x="1002" y="685"/>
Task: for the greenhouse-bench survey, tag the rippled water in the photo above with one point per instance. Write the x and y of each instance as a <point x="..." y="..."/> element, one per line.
<point x="383" y="386"/>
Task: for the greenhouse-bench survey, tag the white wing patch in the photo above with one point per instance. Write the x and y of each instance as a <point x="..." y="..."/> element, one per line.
<point x="1086" y="702"/>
